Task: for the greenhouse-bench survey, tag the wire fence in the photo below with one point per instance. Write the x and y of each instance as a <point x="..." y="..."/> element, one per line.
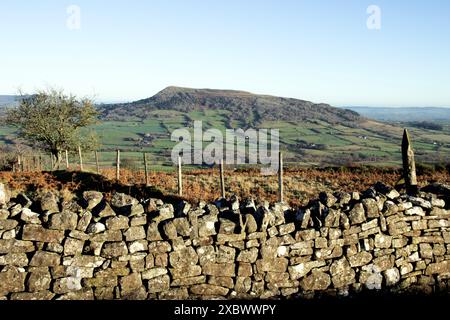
<point x="132" y="167"/>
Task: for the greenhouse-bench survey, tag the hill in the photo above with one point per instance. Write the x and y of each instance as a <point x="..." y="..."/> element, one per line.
<point x="251" y="109"/>
<point x="8" y="100"/>
<point x="396" y="114"/>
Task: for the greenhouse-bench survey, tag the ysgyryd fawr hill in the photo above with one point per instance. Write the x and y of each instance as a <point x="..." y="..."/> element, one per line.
<point x="245" y="107"/>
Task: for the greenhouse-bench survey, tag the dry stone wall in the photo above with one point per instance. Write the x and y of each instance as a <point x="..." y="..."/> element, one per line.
<point x="122" y="248"/>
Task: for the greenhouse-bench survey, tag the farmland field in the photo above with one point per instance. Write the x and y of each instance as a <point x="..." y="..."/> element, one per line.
<point x="311" y="142"/>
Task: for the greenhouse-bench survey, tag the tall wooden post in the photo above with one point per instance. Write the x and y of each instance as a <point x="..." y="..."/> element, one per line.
<point x="280" y="177"/>
<point x="222" y="180"/>
<point x="19" y="163"/>
<point x="409" y="165"/>
<point x="96" y="162"/>
<point x="67" y="160"/>
<point x="180" y="178"/>
<point x="81" y="158"/>
<point x="118" y="166"/>
<point x="147" y="182"/>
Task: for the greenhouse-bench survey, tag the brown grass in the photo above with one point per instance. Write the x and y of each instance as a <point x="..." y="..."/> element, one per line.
<point x="300" y="184"/>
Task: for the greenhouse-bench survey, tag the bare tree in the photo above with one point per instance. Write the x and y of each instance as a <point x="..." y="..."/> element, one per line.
<point x="55" y="121"/>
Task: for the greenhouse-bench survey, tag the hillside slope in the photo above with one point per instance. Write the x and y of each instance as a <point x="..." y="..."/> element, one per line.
<point x="252" y="109"/>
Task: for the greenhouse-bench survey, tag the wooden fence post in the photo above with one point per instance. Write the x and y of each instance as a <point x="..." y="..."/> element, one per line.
<point x="96" y="162"/>
<point x="19" y="163"/>
<point x="280" y="177"/>
<point x="222" y="180"/>
<point x="409" y="165"/>
<point x="81" y="158"/>
<point x="118" y="166"/>
<point x="67" y="160"/>
<point x="180" y="178"/>
<point x="147" y="182"/>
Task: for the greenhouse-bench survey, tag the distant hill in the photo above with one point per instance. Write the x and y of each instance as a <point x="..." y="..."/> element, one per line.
<point x="393" y="114"/>
<point x="242" y="106"/>
<point x="8" y="100"/>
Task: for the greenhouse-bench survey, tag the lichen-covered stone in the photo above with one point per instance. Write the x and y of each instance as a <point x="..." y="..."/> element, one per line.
<point x="117" y="223"/>
<point x="29" y="216"/>
<point x="316" y="281"/>
<point x="95" y="228"/>
<point x="84" y="221"/>
<point x="153" y="232"/>
<point x="12" y="280"/>
<point x="159" y="284"/>
<point x="438" y="268"/>
<point x="207" y="225"/>
<point x="66" y="285"/>
<point x="250" y="255"/>
<point x="182" y="227"/>
<point x="86" y="261"/>
<point x="185" y="271"/>
<point x="14" y="259"/>
<point x="360" y="259"/>
<point x="16" y="246"/>
<point x="186" y="256"/>
<point x="383" y="241"/>
<point x="302" y="269"/>
<point x="92" y="198"/>
<point x="8" y="224"/>
<point x="39" y="280"/>
<point x="130" y="284"/>
<point x="45" y="259"/>
<point x="138" y="246"/>
<point x="73" y="247"/>
<point x="33" y="296"/>
<point x="357" y="214"/>
<point x="225" y="254"/>
<point x="153" y="273"/>
<point x="114" y="249"/>
<point x="135" y="233"/>
<point x="49" y="203"/>
<point x="415" y="211"/>
<point x="371" y="208"/>
<point x="274" y="265"/>
<point x="209" y="290"/>
<point x="63" y="221"/>
<point x="341" y="272"/>
<point x="219" y="269"/>
<point x="165" y="212"/>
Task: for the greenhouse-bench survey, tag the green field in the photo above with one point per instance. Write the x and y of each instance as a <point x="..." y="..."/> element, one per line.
<point x="306" y="143"/>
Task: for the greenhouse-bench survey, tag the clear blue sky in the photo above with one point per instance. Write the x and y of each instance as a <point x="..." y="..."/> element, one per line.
<point x="316" y="50"/>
